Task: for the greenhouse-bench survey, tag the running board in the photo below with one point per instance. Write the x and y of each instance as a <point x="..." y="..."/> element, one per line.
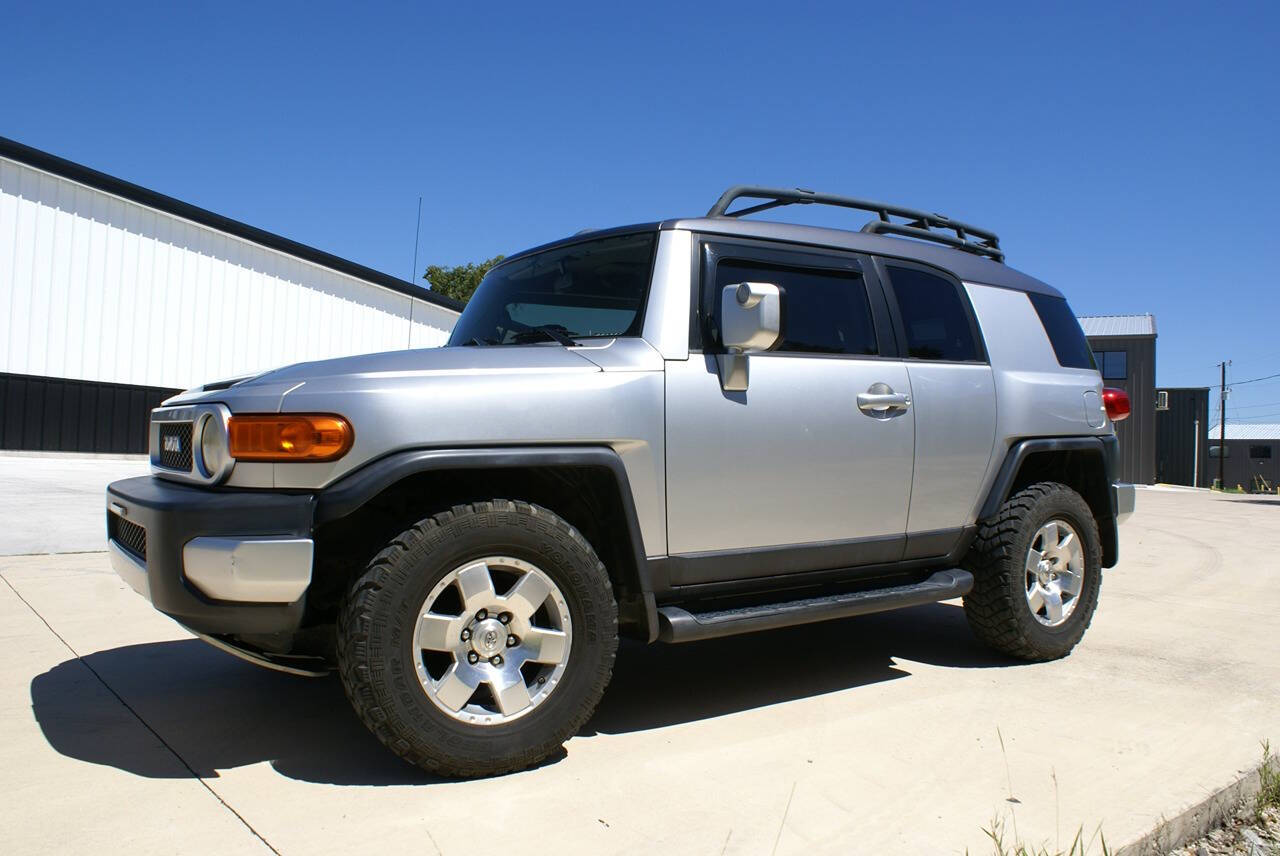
<point x="679" y="625"/>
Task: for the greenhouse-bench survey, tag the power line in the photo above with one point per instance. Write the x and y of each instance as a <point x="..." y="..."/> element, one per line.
<point x="1255" y="406"/>
<point x="1250" y="380"/>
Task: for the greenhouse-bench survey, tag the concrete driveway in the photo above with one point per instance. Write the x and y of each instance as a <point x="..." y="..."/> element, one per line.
<point x="54" y="503"/>
<point x="122" y="733"/>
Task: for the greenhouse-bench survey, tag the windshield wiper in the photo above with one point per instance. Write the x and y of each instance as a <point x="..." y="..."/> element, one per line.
<point x="555" y="332"/>
<point x="476" y="340"/>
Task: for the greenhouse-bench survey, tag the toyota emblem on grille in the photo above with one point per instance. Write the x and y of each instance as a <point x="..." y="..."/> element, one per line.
<point x="173" y="443"/>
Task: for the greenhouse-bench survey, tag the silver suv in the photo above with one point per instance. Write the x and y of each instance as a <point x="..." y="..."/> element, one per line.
<point x="672" y="432"/>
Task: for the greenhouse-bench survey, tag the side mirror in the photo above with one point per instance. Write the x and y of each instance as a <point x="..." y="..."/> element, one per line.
<point x="750" y="320"/>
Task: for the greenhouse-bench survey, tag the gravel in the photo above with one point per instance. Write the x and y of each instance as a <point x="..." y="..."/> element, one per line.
<point x="1247" y="833"/>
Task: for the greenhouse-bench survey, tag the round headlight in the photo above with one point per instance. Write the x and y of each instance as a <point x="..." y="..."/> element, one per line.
<point x="214" y="455"/>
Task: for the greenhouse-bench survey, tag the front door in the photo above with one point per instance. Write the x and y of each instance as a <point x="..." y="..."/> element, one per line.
<point x="810" y="467"/>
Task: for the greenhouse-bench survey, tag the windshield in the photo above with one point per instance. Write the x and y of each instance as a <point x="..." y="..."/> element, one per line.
<point x="592" y="288"/>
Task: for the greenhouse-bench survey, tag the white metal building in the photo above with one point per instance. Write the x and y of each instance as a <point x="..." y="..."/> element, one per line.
<point x="112" y="296"/>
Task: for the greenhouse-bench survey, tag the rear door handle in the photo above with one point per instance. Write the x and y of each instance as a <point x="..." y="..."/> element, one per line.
<point x="881" y="401"/>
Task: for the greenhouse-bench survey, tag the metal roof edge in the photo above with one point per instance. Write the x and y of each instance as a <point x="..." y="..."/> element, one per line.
<point x="73" y="171"/>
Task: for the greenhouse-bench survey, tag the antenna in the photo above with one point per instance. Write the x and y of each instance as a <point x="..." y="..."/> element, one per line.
<point x="417" y="233"/>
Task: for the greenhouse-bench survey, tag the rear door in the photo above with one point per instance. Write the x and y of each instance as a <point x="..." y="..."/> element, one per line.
<point x="790" y="474"/>
<point x="953" y="395"/>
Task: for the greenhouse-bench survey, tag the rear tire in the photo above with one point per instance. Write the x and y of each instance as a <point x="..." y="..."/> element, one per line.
<point x="447" y="661"/>
<point x="1037" y="569"/>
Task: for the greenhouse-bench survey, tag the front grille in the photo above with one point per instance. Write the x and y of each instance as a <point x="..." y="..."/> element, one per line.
<point x="175" y="446"/>
<point x="127" y="534"/>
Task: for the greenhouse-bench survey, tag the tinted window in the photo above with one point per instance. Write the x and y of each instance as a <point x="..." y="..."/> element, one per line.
<point x="1217" y="452"/>
<point x="1064" y="331"/>
<point x="823" y="311"/>
<point x="935" y="319"/>
<point x="1114" y="365"/>
<point x="592" y="288"/>
<point x="1259" y="451"/>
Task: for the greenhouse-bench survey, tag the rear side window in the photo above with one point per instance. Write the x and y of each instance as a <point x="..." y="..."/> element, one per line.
<point x="824" y="311"/>
<point x="933" y="315"/>
<point x="1064" y="331"/>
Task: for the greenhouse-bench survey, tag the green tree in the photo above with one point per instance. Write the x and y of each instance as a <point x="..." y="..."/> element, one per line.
<point x="459" y="282"/>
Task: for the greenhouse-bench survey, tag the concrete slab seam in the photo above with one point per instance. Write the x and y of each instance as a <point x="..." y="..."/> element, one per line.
<point x="138" y="717"/>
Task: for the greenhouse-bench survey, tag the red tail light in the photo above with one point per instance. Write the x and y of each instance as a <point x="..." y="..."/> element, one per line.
<point x="1116" y="401"/>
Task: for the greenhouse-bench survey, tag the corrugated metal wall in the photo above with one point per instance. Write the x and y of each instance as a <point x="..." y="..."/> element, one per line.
<point x="1177" y="435"/>
<point x="97" y="288"/>
<point x="54" y="415"/>
<point x="1137" y="434"/>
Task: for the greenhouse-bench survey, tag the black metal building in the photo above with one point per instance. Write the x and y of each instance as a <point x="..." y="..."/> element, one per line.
<point x="1125" y="349"/>
<point x="1252" y="455"/>
<point x="1182" y="450"/>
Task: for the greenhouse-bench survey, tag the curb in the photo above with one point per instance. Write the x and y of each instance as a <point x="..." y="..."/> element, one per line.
<point x="1198" y="820"/>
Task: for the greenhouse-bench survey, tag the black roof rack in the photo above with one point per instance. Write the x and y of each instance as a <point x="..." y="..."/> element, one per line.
<point x="920" y="224"/>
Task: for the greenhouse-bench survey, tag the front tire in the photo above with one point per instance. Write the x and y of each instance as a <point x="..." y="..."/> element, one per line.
<point x="480" y="639"/>
<point x="1037" y="569"/>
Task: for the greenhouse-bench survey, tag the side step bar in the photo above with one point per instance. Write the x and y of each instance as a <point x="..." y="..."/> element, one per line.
<point x="679" y="625"/>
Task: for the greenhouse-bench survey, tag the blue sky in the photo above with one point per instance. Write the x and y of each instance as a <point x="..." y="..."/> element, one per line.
<point x="1125" y="153"/>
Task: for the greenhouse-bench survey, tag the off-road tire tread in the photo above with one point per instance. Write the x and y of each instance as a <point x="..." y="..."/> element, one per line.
<point x="991" y="606"/>
<point x="355" y="669"/>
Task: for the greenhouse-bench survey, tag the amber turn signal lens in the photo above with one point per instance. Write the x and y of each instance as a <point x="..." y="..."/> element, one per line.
<point x="289" y="437"/>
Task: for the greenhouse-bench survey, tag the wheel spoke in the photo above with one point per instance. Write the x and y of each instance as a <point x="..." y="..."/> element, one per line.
<point x="1048" y="536"/>
<point x="511" y="693"/>
<point x="1066" y="545"/>
<point x="543" y="646"/>
<point x="527" y="595"/>
<point x="1070" y="582"/>
<point x="1035" y="598"/>
<point x="1034" y="557"/>
<point x="1053" y="605"/>
<point x="457" y="685"/>
<point x="477" y="586"/>
<point x="439" y="632"/>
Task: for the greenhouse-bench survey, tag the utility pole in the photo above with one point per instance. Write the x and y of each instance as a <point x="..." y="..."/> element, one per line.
<point x="1222" y="424"/>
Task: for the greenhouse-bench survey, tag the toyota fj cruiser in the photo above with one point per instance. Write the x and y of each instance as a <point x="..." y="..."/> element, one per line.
<point x="672" y="431"/>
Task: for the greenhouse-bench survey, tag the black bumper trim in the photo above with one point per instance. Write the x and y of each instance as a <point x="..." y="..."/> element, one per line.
<point x="172" y="514"/>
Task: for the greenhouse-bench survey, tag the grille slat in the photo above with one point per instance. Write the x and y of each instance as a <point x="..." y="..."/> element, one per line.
<point x="175" y="446"/>
<point x="127" y="534"/>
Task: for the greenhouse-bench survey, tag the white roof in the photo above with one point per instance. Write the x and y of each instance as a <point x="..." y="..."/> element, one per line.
<point x="1248" y="431"/>
<point x="1118" y="325"/>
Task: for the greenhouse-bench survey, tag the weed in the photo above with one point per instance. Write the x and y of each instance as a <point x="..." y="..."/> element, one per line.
<point x="1079" y="846"/>
<point x="1269" y="777"/>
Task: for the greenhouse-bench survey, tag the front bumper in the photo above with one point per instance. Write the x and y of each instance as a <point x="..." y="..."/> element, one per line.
<point x="1126" y="498"/>
<point x="220" y="562"/>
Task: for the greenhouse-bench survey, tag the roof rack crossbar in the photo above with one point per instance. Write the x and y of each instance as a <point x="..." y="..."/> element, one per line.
<point x="920" y="224"/>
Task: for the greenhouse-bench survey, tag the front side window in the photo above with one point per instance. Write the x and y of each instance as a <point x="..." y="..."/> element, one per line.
<point x="937" y="325"/>
<point x="824" y="310"/>
<point x="1114" y="365"/>
<point x="594" y="288"/>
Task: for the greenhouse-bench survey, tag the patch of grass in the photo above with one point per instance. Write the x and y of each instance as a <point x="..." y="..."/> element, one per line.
<point x="1269" y="774"/>
<point x="1079" y="846"/>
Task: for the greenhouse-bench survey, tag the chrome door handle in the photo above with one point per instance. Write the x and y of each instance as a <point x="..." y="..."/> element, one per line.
<point x="881" y="401"/>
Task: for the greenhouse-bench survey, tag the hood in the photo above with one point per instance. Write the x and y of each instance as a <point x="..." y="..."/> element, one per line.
<point x="431" y="361"/>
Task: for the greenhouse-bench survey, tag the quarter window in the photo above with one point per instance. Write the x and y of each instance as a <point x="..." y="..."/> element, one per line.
<point x="937" y="325"/>
<point x="1260" y="451"/>
<point x="824" y="311"/>
<point x="1063" y="330"/>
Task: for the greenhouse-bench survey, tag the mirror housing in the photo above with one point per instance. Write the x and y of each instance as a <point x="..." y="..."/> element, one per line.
<point x="750" y="320"/>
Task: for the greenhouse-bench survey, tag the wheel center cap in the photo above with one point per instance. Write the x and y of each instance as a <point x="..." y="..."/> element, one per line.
<point x="488" y="637"/>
